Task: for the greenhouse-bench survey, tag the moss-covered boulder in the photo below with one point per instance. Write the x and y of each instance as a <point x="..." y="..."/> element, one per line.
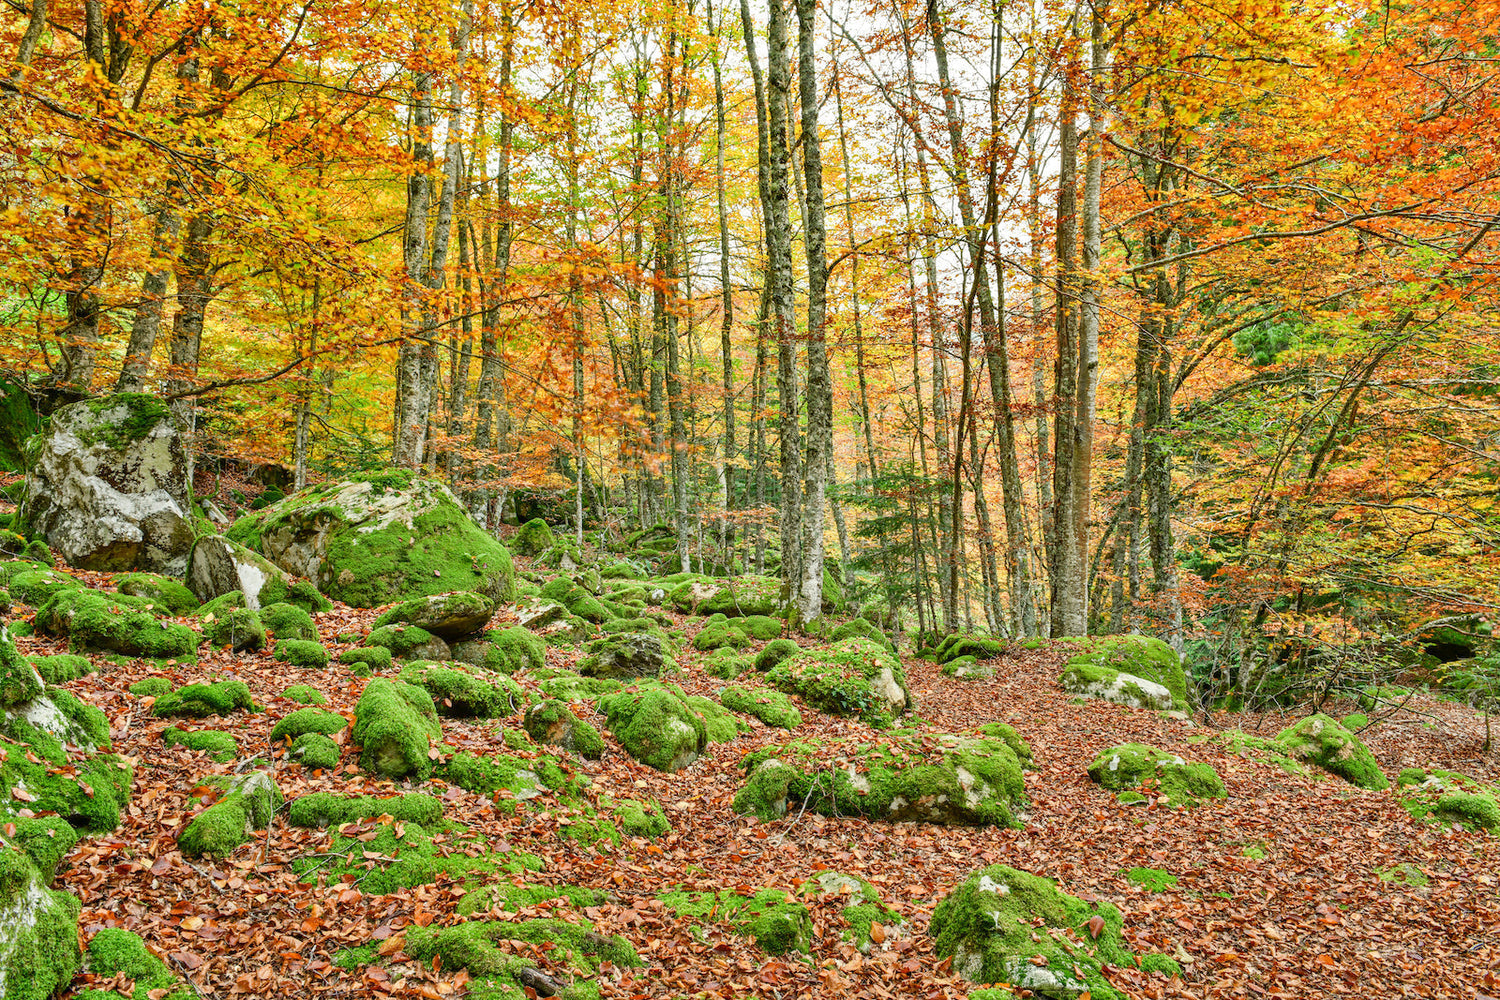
<point x="108" y="488"/>
<point x="322" y="809"/>
<point x="36" y="586"/>
<point x="308" y="720"/>
<point x="302" y="653"/>
<point x="314" y="750"/>
<point x="1001" y="925"/>
<point x="1449" y="797"/>
<point x="218" y="566"/>
<point x="855" y="677"/>
<point x="409" y="642"/>
<point x="577" y="600"/>
<point x="161" y="590"/>
<point x="865" y="914"/>
<point x="534" y="538"/>
<point x="288" y="621"/>
<point x="858" y="628"/>
<point x="960" y="644"/>
<point x="463" y="691"/>
<point x="38" y="930"/>
<point x="248" y="802"/>
<point x="1323" y="743"/>
<point x="951" y="779"/>
<point x="367" y="659"/>
<point x="305" y="693"/>
<point x="395" y="723"/>
<point x="91" y="620"/>
<point x="220" y="746"/>
<point x="379" y="538"/>
<point x="239" y="628"/>
<point x="771" y="707"/>
<point x="733" y="597"/>
<point x="656" y="726"/>
<point x="448" y="616"/>
<point x="625" y="656"/>
<point x="513" y="777"/>
<point x="719" y="632"/>
<point x="201" y="700"/>
<point x="63" y="667"/>
<point x="114" y="951"/>
<point x="553" y="723"/>
<point x="1132" y="670"/>
<point x="1130" y="766"/>
<point x="774" y="652"/>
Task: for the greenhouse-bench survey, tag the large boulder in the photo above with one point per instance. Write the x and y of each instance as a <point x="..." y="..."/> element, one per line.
<point x="447" y="616"/>
<point x="955" y="780"/>
<point x="109" y="487"/>
<point x="379" y="538"/>
<point x="218" y="566"/>
<point x="92" y="620"/>
<point x="1133" y="670"/>
<point x="39" y="950"/>
<point x="656" y="726"/>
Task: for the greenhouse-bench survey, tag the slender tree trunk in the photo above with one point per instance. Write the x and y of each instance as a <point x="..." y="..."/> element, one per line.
<point x="726" y="296"/>
<point x="413" y="361"/>
<point x="194" y="291"/>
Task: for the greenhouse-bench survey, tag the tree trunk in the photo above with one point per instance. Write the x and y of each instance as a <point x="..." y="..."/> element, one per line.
<point x="414" y="358"/>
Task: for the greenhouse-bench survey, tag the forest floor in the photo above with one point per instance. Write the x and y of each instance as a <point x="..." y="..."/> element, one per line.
<point x="1313" y="917"/>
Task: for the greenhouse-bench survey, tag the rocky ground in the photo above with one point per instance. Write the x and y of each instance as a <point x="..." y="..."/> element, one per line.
<point x="1291" y="886"/>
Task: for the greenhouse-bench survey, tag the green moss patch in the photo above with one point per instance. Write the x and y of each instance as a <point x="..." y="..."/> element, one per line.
<point x="460" y="690"/>
<point x="966" y="780"/>
<point x="302" y="653"/>
<point x="1153" y="879"/>
<point x="1113" y="669"/>
<point x="1133" y="766"/>
<point x="39" y="942"/>
<point x="314" y="750"/>
<point x="114" y="951"/>
<point x="960" y="645"/>
<point x="510" y="777"/>
<point x="201" y="700"/>
<point x="534" y="538"/>
<point x="385" y="855"/>
<point x="519" y="648"/>
<point x="771" y="707"/>
<point x="1449" y="797"/>
<point x="62" y="668"/>
<point x="322" y="809"/>
<point x="656" y="726"/>
<point x="238" y="628"/>
<point x="370" y="658"/>
<point x="395" y="723"/>
<point x="553" y="723"/>
<point x="307" y="720"/>
<point x="1323" y="743"/>
<point x="246" y="806"/>
<point x="305" y="693"/>
<point x="777" y="921"/>
<point x="449" y="616"/>
<point x="862" y="908"/>
<point x="170" y="594"/>
<point x="742" y="595"/>
<point x="218" y="745"/>
<point x="494" y="970"/>
<point x="288" y="621"/>
<point x="91" y="620"/>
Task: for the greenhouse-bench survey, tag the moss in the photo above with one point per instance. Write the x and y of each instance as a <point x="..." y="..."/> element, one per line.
<point x="959" y="645"/>
<point x="93" y="621"/>
<point x="1153" y="879"/>
<point x="1164" y="964"/>
<point x="721" y="725"/>
<point x="1266" y="749"/>
<point x="1004" y="925"/>
<point x="534" y="537"/>
<point x="114" y="951"/>
<point x="655" y="726"/>
<point x="858" y="628"/>
<point x="298" y="593"/>
<point x="1254" y="851"/>
<point x="394" y="723"/>
<point x="401" y="640"/>
<point x="1449" y="797"/>
<point x="247" y="805"/>
<point x="519" y="648"/>
<point x="1378" y="696"/>
<point x="307" y="720"/>
<point x="553" y="723"/>
<point x="953" y="779"/>
<point x="718" y="633"/>
<point x="1142" y="656"/>
<point x="287" y="621"/>
<point x="382" y="856"/>
<point x="855" y="677"/>
<point x="475" y="946"/>
<point x="200" y="700"/>
<point x="577" y="600"/>
<point x="776" y="923"/>
<point x="520" y="777"/>
<point x="771" y="707"/>
<point x="743" y="595"/>
<point x="89" y="798"/>
<point x="151" y="687"/>
<point x="314" y="750"/>
<point x="637" y="818"/>
<point x="1177" y="783"/>
<point x="370" y="657"/>
<point x="302" y="653"/>
<point x="45" y="841"/>
<point x="1323" y="743"/>
<point x="62" y="668"/>
<point x="221" y="605"/>
<point x="159" y="589"/>
<point x="452" y="615"/>
<point x="218" y="745"/>
<point x="326" y="809"/>
<point x="567" y="686"/>
<point x="40" y="952"/>
<point x="459" y="690"/>
<point x="305" y="693"/>
<point x="862" y="907"/>
<point x="37" y="586"/>
<point x="238" y="628"/>
<point x="1404" y="873"/>
<point x="1007" y="734"/>
<point x="19" y="680"/>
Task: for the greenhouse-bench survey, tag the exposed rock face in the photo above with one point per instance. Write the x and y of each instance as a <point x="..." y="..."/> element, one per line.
<point x="218" y="566"/>
<point x="379" y="539"/>
<point x="109" y="487"/>
<point x="447" y="616"/>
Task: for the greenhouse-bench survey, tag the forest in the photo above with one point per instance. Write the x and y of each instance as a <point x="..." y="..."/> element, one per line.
<point x="997" y="335"/>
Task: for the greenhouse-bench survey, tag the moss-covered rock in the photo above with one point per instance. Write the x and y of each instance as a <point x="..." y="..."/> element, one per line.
<point x="638" y="818"/>
<point x="201" y="700"/>
<point x="656" y="726"/>
<point x="774" y="652"/>
<point x="114" y="951"/>
<point x="306" y="694"/>
<point x="91" y="620"/>
<point x="308" y="720"/>
<point x="409" y="642"/>
<point x="1259" y="747"/>
<point x="513" y="776"/>
<point x="35" y="586"/>
<point x="45" y="841"/>
<point x="220" y="746"/>
<point x="448" y="616"/>
<point x="1323" y="743"/>
<point x="855" y="677"/>
<point x="394" y="723"/>
<point x="302" y="653"/>
<point x="62" y="668"/>
<point x="463" y="691"/>
<point x="534" y="538"/>
<point x="577" y="600"/>
<point x="370" y="657"/>
<point x="553" y="723"/>
<point x="626" y="655"/>
<point x="221" y="605"/>
<point x="298" y="593"/>
<point x="1007" y="926"/>
<point x="1449" y="797"/>
<point x="771" y="707"/>
<point x="162" y="590"/>
<point x="379" y="538"/>
<point x="288" y="621"/>
<point x="476" y="946"/>
<point x="239" y="628"/>
<point x="718" y="633"/>
<point x="326" y="809"/>
<point x="960" y="644"/>
<point x="1177" y="783"/>
<point x="1382" y="697"/>
<point x="151" y="687"/>
<point x="519" y="648"/>
<point x="742" y="595"/>
<point x="314" y="750"/>
<point x="38" y="931"/>
<point x="564" y="685"/>
<point x="1114" y="668"/>
<point x="858" y="628"/>
<point x="247" y="805"/>
<point x="960" y="780"/>
<point x="862" y="909"/>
